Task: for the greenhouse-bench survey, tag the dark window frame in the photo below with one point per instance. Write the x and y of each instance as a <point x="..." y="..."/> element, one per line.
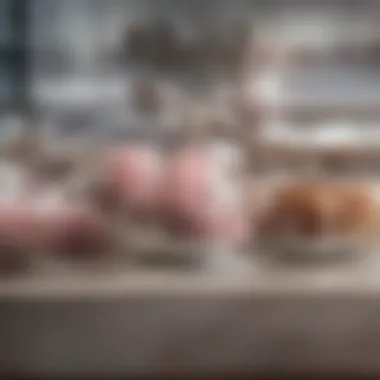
<point x="15" y="57"/>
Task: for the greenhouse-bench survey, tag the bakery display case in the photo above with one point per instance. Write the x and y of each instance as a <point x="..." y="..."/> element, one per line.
<point x="189" y="189"/>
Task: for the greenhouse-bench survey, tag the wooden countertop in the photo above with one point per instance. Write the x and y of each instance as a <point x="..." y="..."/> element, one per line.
<point x="243" y="318"/>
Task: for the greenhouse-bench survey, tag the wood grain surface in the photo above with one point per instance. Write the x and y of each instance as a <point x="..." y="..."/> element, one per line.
<point x="265" y="319"/>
